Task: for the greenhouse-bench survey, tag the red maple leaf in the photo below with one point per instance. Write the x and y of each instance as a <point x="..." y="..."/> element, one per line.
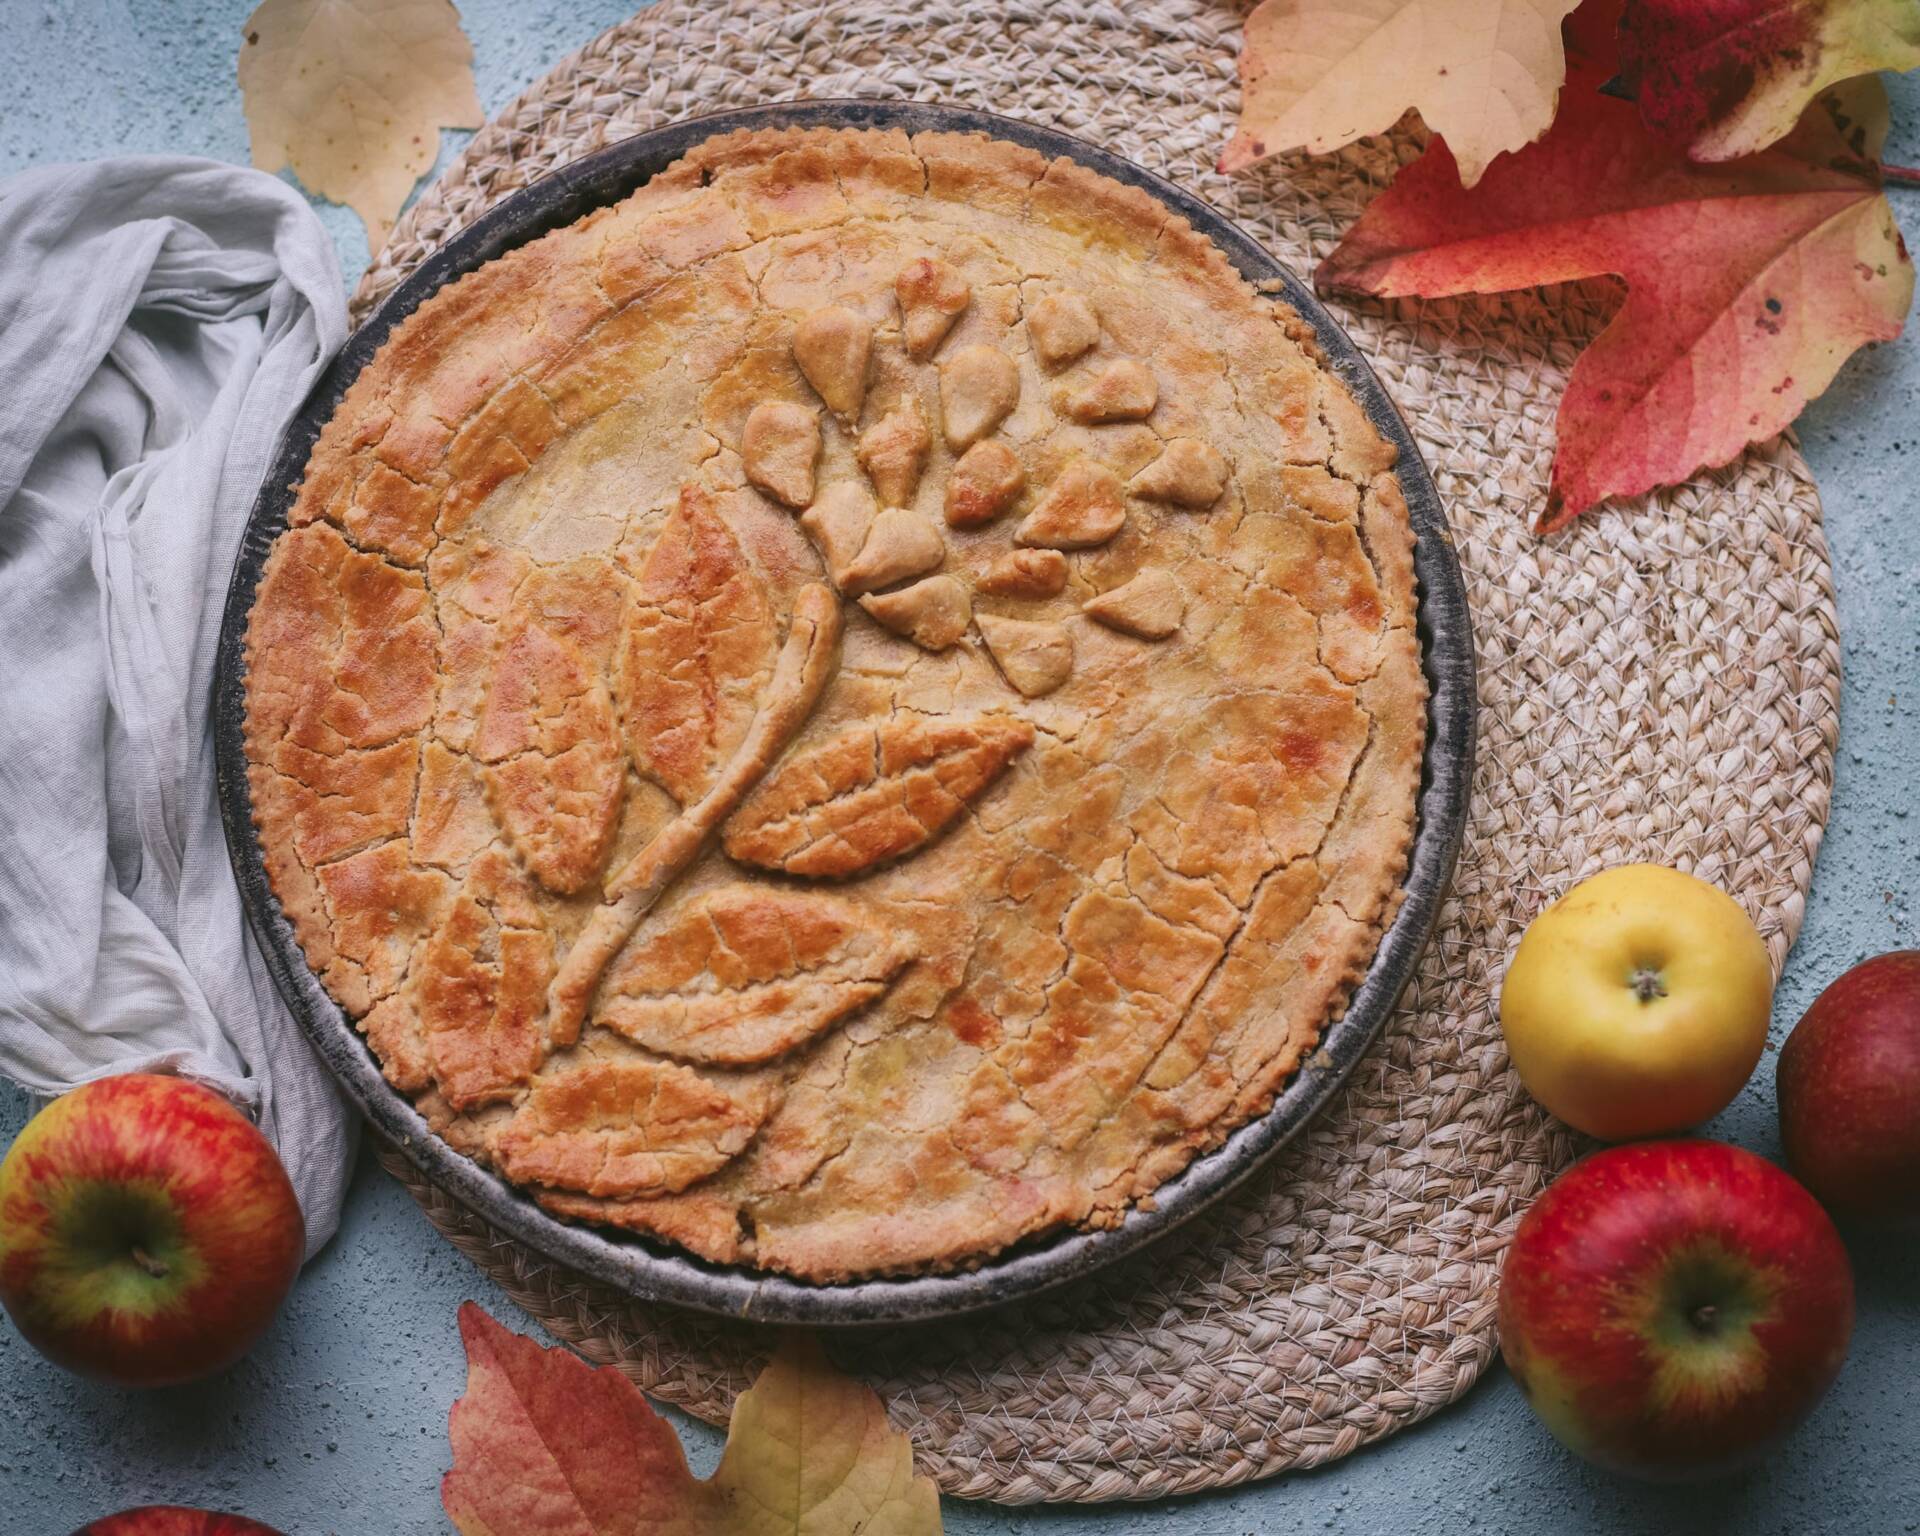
<point x="546" y="1445"/>
<point x="1724" y="78"/>
<point x="1748" y="283"/>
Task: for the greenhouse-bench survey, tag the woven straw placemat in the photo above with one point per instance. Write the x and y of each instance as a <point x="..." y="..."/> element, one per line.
<point x="1661" y="682"/>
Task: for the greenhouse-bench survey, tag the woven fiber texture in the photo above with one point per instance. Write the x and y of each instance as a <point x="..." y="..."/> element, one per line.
<point x="1660" y="682"/>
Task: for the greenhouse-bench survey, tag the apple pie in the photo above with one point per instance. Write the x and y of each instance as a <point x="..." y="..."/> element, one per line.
<point x="853" y="708"/>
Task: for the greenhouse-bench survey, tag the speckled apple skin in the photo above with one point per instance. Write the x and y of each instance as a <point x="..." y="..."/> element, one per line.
<point x="1594" y="1286"/>
<point x="174" y="1520"/>
<point x="1849" y="1091"/>
<point x="235" y="1226"/>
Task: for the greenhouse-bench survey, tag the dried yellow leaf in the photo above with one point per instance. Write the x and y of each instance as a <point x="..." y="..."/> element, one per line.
<point x="352" y="94"/>
<point x="1317" y="74"/>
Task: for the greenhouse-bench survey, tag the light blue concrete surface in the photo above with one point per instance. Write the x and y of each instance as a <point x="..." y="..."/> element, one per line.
<point x="337" y="1422"/>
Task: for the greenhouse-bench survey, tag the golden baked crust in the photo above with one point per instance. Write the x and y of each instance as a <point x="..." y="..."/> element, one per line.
<point x="855" y="707"/>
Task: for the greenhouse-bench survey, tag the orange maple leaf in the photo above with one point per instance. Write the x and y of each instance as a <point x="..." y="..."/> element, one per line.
<point x="1748" y="283"/>
<point x="546" y="1445"/>
<point x="1724" y="78"/>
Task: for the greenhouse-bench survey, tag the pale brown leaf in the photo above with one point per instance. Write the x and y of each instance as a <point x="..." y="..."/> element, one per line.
<point x="352" y="94"/>
<point x="1317" y="74"/>
<point x="811" y="1453"/>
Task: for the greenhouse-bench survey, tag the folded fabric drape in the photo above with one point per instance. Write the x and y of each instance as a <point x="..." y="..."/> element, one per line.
<point x="161" y="318"/>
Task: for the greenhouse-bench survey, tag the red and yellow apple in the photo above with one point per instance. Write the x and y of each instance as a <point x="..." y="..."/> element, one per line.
<point x="1673" y="1308"/>
<point x="173" y="1520"/>
<point x="1849" y="1088"/>
<point x="1637" y="1004"/>
<point x="148" y="1233"/>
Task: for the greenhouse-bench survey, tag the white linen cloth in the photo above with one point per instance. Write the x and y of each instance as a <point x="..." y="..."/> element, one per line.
<point x="161" y="318"/>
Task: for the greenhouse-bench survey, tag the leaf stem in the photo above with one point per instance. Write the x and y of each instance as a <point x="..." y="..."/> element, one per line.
<point x="1901" y="175"/>
<point x="800" y="674"/>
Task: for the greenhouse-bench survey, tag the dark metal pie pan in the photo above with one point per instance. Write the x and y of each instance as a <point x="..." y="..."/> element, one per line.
<point x="654" y="1271"/>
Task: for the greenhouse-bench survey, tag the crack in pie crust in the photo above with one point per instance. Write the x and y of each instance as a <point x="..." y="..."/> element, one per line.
<point x="855" y="707"/>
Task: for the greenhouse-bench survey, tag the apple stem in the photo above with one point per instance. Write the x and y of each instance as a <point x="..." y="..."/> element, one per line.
<point x="147" y="1264"/>
<point x="1703" y="1318"/>
<point x="1901" y="175"/>
<point x="1647" y="985"/>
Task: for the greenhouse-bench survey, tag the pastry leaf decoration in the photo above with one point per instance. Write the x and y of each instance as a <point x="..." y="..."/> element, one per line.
<point x="749" y="973"/>
<point x="631" y="1129"/>
<point x="546" y="1445"/>
<point x="697" y="648"/>
<point x="550" y="753"/>
<point x="872" y="794"/>
<point x="352" y="94"/>
<point x="478" y="985"/>
<point x="806" y="663"/>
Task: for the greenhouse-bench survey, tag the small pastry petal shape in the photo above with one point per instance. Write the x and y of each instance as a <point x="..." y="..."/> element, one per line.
<point x="932" y="295"/>
<point x="984" y="483"/>
<point x="979" y="387"/>
<point x="1061" y="326"/>
<point x="779" y="446"/>
<point x="899" y="544"/>
<point x="1035" y="657"/>
<point x="833" y="347"/>
<point x="1085" y="506"/>
<point x="838" y="523"/>
<point x="1150" y="606"/>
<point x="933" y="614"/>
<point x="1189" y="473"/>
<point x="1026" y="573"/>
<point x="893" y="452"/>
<point x="1124" y="390"/>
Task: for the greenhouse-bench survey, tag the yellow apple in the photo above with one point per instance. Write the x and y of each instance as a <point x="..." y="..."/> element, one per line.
<point x="1637" y="1003"/>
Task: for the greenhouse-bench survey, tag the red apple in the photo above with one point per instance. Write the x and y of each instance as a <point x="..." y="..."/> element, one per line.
<point x="1849" y="1086"/>
<point x="172" y="1520"/>
<point x="147" y="1231"/>
<point x="1672" y="1308"/>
